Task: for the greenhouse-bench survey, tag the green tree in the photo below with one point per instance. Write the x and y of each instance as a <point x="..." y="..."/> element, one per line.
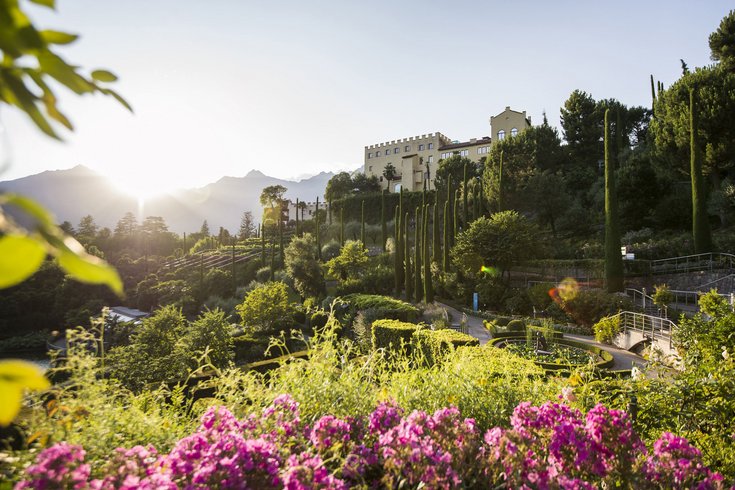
<point x="247" y="226"/>
<point x="613" y="258"/>
<point x="204" y="230"/>
<point x="451" y="172"/>
<point x="389" y="174"/>
<point x="722" y="42"/>
<point x="303" y="267"/>
<point x="266" y="308"/>
<point x="351" y="262"/>
<point x="127" y="226"/>
<point x="501" y="241"/>
<point x="87" y="229"/>
<point x="700" y="221"/>
<point x="362" y="183"/>
<point x="338" y="186"/>
<point x="582" y="128"/>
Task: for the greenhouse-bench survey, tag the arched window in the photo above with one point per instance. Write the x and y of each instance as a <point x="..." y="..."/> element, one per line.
<point x="501" y="135"/>
<point x="514" y="132"/>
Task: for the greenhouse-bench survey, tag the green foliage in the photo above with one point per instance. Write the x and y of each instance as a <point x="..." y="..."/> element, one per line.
<point x="607" y="329"/>
<point x="700" y="221"/>
<point x="436" y="344"/>
<point x="662" y="295"/>
<point x="394" y="335"/>
<point x="351" y="262"/>
<point x="377" y="279"/>
<point x="330" y="250"/>
<point x="166" y="348"/>
<point x="500" y="241"/>
<point x="587" y="306"/>
<point x="266" y="308"/>
<point x="722" y="42"/>
<point x="389" y="307"/>
<point x="613" y="257"/>
<point x="516" y="326"/>
<point x="249" y="348"/>
<point x="303" y="267"/>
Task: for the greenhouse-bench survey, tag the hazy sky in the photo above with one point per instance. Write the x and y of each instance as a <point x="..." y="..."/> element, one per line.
<point x="296" y="87"/>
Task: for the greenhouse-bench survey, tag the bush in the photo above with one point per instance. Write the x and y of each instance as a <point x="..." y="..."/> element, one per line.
<point x="435" y="344"/>
<point x="263" y="274"/>
<point x="392" y="334"/>
<point x="516" y="326"/>
<point x="607" y="329"/>
<point x="392" y="308"/>
<point x="589" y="305"/>
<point x="249" y="348"/>
<point x="266" y="308"/>
<point x="318" y="319"/>
<point x="330" y="250"/>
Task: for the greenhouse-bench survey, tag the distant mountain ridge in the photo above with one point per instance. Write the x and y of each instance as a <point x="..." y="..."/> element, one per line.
<point x="79" y="191"/>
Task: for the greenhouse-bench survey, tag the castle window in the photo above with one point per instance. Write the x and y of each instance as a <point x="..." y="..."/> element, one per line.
<point x="514" y="132"/>
<point x="396" y="150"/>
<point x="370" y="168"/>
<point x="387" y="152"/>
<point x="421" y="147"/>
<point x="464" y="153"/>
<point x="407" y="148"/>
<point x="431" y="158"/>
<point x="370" y="155"/>
<point x="431" y="146"/>
<point x="501" y="135"/>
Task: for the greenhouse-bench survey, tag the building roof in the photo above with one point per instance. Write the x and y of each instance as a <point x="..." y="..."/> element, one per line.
<point x="485" y="140"/>
<point x="126" y="314"/>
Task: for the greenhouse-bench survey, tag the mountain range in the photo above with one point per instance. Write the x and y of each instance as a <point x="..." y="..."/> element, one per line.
<point x="77" y="192"/>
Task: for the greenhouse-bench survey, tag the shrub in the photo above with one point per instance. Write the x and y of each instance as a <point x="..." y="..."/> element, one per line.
<point x="587" y="306"/>
<point x="263" y="274"/>
<point x="392" y="334"/>
<point x="266" y="308"/>
<point x="516" y="326"/>
<point x="607" y="329"/>
<point x="249" y="348"/>
<point x="392" y="308"/>
<point x="330" y="250"/>
<point x="318" y="319"/>
<point x="435" y="344"/>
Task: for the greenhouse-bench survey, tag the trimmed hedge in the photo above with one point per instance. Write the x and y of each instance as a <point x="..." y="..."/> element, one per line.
<point x="248" y="348"/>
<point x="391" y="334"/>
<point x="607" y="359"/>
<point x="435" y="344"/>
<point x="391" y="308"/>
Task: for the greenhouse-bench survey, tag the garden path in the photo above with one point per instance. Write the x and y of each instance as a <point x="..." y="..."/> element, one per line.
<point x="623" y="358"/>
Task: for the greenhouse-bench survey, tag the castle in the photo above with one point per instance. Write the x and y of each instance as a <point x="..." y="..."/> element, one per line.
<point x="417" y="158"/>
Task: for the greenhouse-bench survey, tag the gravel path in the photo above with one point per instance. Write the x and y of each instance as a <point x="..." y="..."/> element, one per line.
<point x="623" y="358"/>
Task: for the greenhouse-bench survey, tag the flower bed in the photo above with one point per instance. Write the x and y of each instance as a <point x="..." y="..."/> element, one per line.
<point x="604" y="360"/>
<point x="551" y="446"/>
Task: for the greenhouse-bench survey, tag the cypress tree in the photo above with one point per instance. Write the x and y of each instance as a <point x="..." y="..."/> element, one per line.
<point x="428" y="288"/>
<point x="653" y="98"/>
<point x="280" y="240"/>
<point x="262" y="244"/>
<point x="297" y="217"/>
<point x="455" y="219"/>
<point x="700" y="224"/>
<point x="407" y="259"/>
<point x="613" y="258"/>
<point x="447" y="245"/>
<point x="383" y="226"/>
<point x="481" y="201"/>
<point x="329" y="210"/>
<point x="418" y="289"/>
<point x="397" y="265"/>
<point x="449" y="200"/>
<point x="465" y="210"/>
<point x="362" y="222"/>
<point x="500" y="182"/>
<point x="316" y="225"/>
<point x="341" y="227"/>
<point x="186" y="252"/>
<point x="436" y="249"/>
<point x="273" y="261"/>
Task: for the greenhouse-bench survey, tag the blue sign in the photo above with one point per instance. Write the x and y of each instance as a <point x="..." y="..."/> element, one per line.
<point x="475" y="301"/>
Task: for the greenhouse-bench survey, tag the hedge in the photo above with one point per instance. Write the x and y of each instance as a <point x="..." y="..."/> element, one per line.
<point x="392" y="308"/>
<point x="392" y="334"/>
<point x="434" y="344"/>
<point x="607" y="359"/>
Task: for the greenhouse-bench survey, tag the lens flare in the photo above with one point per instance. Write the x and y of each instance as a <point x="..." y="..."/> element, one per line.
<point x="568" y="289"/>
<point x="490" y="270"/>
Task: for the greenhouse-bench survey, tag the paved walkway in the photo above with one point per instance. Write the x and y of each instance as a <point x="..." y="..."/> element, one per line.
<point x="475" y="327"/>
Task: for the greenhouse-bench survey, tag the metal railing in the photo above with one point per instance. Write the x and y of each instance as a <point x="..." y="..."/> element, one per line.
<point x="690" y="263"/>
<point x="652" y="327"/>
<point x="642" y="299"/>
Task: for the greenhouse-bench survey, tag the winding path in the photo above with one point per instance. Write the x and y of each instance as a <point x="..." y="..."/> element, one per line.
<point x="623" y="358"/>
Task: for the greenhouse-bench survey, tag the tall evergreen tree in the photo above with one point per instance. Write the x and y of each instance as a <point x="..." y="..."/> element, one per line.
<point x="446" y="246"/>
<point x="428" y="287"/>
<point x="613" y="257"/>
<point x="436" y="248"/>
<point x="418" y="289"/>
<point x="362" y="222"/>
<point x="383" y="225"/>
<point x="297" y="217"/>
<point x="700" y="223"/>
<point x="397" y="264"/>
<point x="465" y="183"/>
<point x="500" y="182"/>
<point x="262" y="245"/>
<point x="407" y="260"/>
<point x="341" y="227"/>
<point x="316" y="231"/>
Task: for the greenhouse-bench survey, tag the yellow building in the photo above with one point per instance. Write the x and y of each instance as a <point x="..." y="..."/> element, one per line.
<point x="417" y="158"/>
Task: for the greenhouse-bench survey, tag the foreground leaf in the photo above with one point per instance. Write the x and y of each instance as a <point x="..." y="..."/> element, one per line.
<point x="20" y="257"/>
<point x="15" y="377"/>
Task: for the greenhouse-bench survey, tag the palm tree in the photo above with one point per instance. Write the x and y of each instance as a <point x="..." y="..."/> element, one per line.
<point x="390" y="173"/>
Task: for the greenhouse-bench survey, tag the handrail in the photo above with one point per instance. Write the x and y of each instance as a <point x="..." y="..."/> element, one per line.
<point x="646" y="301"/>
<point x="656" y="327"/>
<point x="696" y="262"/>
<point x="707" y="284"/>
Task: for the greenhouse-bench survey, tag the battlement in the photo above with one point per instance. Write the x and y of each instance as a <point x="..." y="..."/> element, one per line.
<point x="437" y="135"/>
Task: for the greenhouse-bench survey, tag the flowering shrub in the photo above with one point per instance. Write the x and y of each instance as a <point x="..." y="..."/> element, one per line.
<point x="550" y="446"/>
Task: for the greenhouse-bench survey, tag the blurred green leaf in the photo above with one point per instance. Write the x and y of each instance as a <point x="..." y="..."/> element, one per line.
<point x="31" y="207"/>
<point x="57" y="68"/>
<point x="58" y="37"/>
<point x="108" y="91"/>
<point x="45" y="3"/>
<point x="88" y="268"/>
<point x="103" y="76"/>
<point x="15" y="377"/>
<point x="20" y="257"/>
<point x="15" y="91"/>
